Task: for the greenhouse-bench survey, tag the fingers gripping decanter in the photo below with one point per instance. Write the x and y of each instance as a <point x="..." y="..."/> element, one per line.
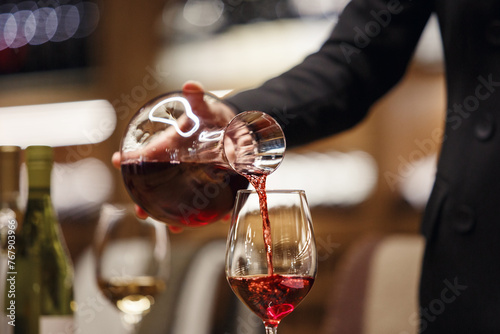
<point x="183" y="164"/>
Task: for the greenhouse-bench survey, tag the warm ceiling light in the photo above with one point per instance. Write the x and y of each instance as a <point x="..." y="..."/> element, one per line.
<point x="57" y="124"/>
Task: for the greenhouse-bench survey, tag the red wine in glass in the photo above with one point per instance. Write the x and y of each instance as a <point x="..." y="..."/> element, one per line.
<point x="271" y="297"/>
<point x="182" y="194"/>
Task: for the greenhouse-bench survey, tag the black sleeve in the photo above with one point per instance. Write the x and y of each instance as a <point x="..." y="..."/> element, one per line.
<point x="332" y="89"/>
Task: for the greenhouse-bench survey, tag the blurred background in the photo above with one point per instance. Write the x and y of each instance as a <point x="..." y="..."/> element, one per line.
<point x="371" y="180"/>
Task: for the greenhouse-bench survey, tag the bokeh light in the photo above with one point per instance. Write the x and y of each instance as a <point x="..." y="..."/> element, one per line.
<point x="27" y="23"/>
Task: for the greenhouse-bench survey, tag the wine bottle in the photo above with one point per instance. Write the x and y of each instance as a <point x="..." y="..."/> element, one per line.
<point x="10" y="214"/>
<point x="39" y="292"/>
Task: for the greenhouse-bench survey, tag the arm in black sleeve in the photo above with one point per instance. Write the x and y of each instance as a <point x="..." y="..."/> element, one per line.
<point x="332" y="89"/>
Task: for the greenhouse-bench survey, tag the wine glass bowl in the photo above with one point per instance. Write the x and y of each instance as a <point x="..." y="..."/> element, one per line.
<point x="271" y="278"/>
<point x="132" y="261"/>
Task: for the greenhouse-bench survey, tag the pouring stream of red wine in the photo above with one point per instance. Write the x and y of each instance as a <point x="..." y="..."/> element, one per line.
<point x="258" y="181"/>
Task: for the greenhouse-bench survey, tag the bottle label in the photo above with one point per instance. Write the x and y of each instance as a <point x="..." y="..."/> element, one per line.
<point x="54" y="324"/>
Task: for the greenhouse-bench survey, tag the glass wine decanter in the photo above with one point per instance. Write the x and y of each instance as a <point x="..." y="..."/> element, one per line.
<point x="183" y="163"/>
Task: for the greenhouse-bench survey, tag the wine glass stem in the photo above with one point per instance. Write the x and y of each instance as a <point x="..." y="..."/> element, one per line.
<point x="271" y="329"/>
<point x="131" y="322"/>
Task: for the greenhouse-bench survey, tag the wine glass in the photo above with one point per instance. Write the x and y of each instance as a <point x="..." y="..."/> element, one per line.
<point x="132" y="261"/>
<point x="271" y="269"/>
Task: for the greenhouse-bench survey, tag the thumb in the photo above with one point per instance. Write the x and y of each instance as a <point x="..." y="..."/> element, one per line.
<point x="192" y="87"/>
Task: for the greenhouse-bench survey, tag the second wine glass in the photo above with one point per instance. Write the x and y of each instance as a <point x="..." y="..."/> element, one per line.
<point x="271" y="270"/>
<point x="132" y="261"/>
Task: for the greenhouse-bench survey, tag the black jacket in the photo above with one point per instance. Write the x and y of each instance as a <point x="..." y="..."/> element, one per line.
<point x="367" y="54"/>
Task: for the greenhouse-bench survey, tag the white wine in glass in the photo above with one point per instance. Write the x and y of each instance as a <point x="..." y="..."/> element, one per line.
<point x="132" y="261"/>
<point x="271" y="257"/>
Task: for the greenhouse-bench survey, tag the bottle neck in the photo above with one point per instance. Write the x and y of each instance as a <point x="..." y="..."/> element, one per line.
<point x="39" y="208"/>
<point x="39" y="178"/>
<point x="39" y="164"/>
